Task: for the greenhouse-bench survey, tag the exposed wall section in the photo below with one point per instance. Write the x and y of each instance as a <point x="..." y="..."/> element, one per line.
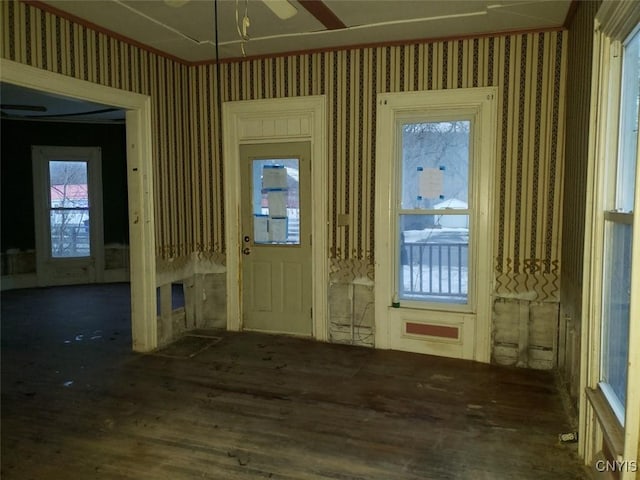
<point x="579" y="52"/>
<point x="351" y="303"/>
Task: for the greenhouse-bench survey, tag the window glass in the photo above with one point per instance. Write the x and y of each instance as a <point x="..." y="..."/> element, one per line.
<point x="630" y="97"/>
<point x="435" y="165"/>
<point x="276" y="201"/>
<point x="433" y="256"/>
<point x="616" y="303"/>
<point x="69" y="209"/>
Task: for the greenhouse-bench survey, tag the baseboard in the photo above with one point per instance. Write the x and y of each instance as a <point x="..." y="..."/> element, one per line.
<point x="15" y="282"/>
<point x="30" y="280"/>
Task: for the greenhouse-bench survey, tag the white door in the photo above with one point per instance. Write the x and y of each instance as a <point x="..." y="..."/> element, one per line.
<point x="433" y="222"/>
<point x="276" y="238"/>
<point x="68" y="214"/>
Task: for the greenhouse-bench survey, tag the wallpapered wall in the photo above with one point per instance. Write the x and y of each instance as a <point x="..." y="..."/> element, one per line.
<point x="527" y="68"/>
<point x="579" y="52"/>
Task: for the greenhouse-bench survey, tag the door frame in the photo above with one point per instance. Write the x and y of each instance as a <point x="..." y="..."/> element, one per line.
<point x="472" y="339"/>
<point x="277" y="121"/>
<point x="144" y="326"/>
<point x="46" y="265"/>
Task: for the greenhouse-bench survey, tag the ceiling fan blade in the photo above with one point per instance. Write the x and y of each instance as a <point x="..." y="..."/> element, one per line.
<point x="28" y="108"/>
<point x="282" y="8"/>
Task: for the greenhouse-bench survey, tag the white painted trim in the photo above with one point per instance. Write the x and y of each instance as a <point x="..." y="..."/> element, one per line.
<point x="482" y="104"/>
<point x="589" y="324"/>
<point x="61" y="271"/>
<point x="286" y="119"/>
<point x="140" y="183"/>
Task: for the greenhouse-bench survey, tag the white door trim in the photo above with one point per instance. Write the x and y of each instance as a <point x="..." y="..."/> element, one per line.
<point x="139" y="181"/>
<point x="474" y="327"/>
<point x="277" y="120"/>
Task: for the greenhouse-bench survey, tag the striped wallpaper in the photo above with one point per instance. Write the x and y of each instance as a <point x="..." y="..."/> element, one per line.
<point x="527" y="68"/>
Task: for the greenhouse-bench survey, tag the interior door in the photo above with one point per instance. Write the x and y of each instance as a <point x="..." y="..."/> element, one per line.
<point x="68" y="214"/>
<point x="276" y="238"/>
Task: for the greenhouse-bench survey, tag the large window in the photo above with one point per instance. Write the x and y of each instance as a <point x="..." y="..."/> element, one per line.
<point x="433" y="212"/>
<point x="618" y="232"/>
<point x="69" y="209"/>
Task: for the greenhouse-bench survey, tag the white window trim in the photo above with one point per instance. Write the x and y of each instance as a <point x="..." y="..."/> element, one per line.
<point x="614" y="22"/>
<point x="391" y="107"/>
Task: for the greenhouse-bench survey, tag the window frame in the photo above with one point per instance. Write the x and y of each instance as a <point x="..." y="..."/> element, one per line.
<point x="614" y="24"/>
<point x="61" y="270"/>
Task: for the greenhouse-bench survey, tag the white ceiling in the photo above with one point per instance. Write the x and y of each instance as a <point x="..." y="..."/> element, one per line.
<point x="188" y="31"/>
<point x="27" y="104"/>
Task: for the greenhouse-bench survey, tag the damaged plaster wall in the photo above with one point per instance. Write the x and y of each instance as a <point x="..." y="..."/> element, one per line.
<point x="351" y="303"/>
<point x="525" y="332"/>
<point x="204" y="285"/>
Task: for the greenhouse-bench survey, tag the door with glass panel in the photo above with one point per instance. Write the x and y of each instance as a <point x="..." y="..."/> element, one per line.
<point x="68" y="214"/>
<point x="276" y="238"/>
<point x="619" y="237"/>
<point x="433" y="215"/>
<point x="435" y="236"/>
<point x="434" y="211"/>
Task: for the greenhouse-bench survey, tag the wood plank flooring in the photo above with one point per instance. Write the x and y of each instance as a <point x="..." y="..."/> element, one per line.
<point x="76" y="404"/>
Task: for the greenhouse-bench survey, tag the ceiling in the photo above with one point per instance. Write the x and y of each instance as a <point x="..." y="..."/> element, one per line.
<point x="27" y="104"/>
<point x="186" y="28"/>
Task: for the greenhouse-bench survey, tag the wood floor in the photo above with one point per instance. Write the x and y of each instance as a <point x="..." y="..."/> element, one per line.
<point x="76" y="404"/>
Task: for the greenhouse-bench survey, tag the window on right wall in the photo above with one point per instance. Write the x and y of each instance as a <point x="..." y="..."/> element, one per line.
<point x="610" y="377"/>
<point x="618" y="236"/>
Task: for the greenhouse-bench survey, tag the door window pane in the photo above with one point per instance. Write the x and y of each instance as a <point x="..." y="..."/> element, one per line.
<point x="435" y="165"/>
<point x="69" y="209"/>
<point x="433" y="247"/>
<point x="276" y="201"/>
<point x="434" y="258"/>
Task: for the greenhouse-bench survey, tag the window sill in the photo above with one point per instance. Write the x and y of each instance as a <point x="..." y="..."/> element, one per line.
<point x="611" y="428"/>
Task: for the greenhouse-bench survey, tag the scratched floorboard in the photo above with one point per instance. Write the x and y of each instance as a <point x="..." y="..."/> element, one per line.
<point x="76" y="404"/>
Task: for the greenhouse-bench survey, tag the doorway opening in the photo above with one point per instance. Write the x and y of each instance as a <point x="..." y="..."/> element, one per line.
<point x="139" y="181"/>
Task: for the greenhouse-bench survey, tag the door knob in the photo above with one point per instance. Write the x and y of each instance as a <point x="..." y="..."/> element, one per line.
<point x="246" y="250"/>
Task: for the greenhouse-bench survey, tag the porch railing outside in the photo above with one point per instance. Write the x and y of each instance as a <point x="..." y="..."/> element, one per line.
<point x="434" y="271"/>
